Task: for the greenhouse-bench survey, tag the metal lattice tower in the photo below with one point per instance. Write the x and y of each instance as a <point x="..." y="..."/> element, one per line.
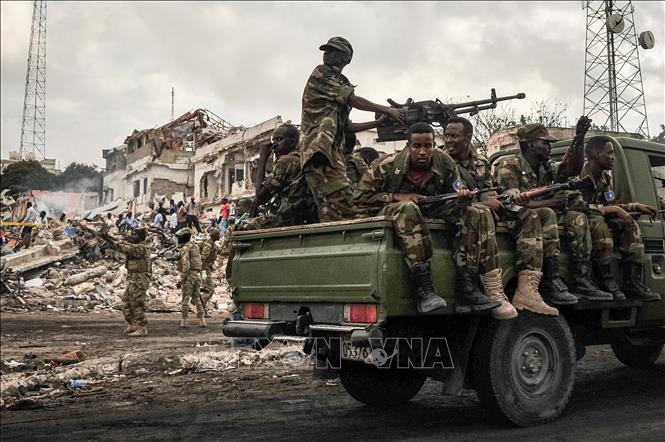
<point x="613" y="92"/>
<point x="33" y="126"/>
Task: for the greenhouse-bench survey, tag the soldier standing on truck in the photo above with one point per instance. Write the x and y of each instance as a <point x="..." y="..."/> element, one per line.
<point x="209" y="253"/>
<point x="139" y="275"/>
<point x="610" y="221"/>
<point x="396" y="183"/>
<point x="531" y="168"/>
<point x="190" y="267"/>
<point x="526" y="229"/>
<point x="326" y="103"/>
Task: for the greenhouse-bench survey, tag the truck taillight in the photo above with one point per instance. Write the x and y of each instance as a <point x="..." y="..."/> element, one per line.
<point x="366" y="313"/>
<point x="256" y="311"/>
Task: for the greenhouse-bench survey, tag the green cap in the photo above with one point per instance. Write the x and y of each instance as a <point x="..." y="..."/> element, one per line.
<point x="339" y="43"/>
<point x="184" y="231"/>
<point x="534" y="131"/>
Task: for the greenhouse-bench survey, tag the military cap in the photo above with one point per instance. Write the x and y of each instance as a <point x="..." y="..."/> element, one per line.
<point x="339" y="43"/>
<point x="534" y="131"/>
<point x="184" y="231"/>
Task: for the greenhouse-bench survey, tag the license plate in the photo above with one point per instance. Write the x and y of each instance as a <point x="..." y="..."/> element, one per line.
<point x="353" y="353"/>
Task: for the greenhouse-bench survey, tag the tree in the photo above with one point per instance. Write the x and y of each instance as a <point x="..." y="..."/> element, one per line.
<point x="78" y="177"/>
<point x="660" y="138"/>
<point x="24" y="176"/>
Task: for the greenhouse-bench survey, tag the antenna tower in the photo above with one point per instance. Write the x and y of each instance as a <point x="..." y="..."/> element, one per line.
<point x="172" y="102"/>
<point x="613" y="91"/>
<point x="33" y="125"/>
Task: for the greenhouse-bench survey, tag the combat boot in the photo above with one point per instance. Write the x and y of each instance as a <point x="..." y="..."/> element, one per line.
<point x="582" y="284"/>
<point x="633" y="283"/>
<point x="141" y="330"/>
<point x="470" y="297"/>
<point x="605" y="274"/>
<point x="183" y="322"/>
<point x="428" y="300"/>
<point x="130" y="328"/>
<point x="527" y="296"/>
<point x="494" y="290"/>
<point x="202" y="322"/>
<point x="552" y="287"/>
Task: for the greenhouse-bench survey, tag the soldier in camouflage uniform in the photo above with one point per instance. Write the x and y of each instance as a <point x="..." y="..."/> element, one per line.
<point x="209" y="253"/>
<point x="525" y="229"/>
<point x="611" y="223"/>
<point x="355" y="164"/>
<point x="190" y="267"/>
<point x="394" y="185"/>
<point x="531" y="168"/>
<point x="291" y="202"/>
<point x="327" y="100"/>
<point x="139" y="274"/>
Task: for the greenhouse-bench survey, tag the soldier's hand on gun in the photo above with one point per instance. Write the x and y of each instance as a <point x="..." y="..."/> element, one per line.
<point x="464" y="194"/>
<point x="413" y="197"/>
<point x="494" y="204"/>
<point x="618" y="212"/>
<point x="583" y="125"/>
<point x="521" y="199"/>
<point x="397" y="114"/>
<point x="646" y="209"/>
<point x="558" y="201"/>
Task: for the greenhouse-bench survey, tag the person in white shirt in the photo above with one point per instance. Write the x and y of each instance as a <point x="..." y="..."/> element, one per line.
<point x="30" y="218"/>
<point x="173" y="221"/>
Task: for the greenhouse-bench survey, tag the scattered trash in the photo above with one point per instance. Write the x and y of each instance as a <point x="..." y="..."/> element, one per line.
<point x="71" y="357"/>
<point x="37" y="282"/>
<point x="79" y="383"/>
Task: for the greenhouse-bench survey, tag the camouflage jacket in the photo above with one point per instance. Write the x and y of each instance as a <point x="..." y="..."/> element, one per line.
<point x="190" y="259"/>
<point x="209" y="253"/>
<point x="137" y="256"/>
<point x="515" y="175"/>
<point x="291" y="196"/>
<point x="325" y="112"/>
<point x="389" y="175"/>
<point x="355" y="168"/>
<point x="592" y="199"/>
<point x="476" y="173"/>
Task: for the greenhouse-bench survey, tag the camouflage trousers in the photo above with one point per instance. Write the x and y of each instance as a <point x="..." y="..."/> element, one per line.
<point x="191" y="293"/>
<point x="577" y="234"/>
<point x="605" y="233"/>
<point x="133" y="301"/>
<point x="207" y="286"/>
<point x="330" y="187"/>
<point x="475" y="237"/>
<point x="536" y="236"/>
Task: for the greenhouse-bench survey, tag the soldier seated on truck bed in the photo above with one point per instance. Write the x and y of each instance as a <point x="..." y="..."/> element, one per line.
<point x="395" y="184"/>
<point x="611" y="223"/>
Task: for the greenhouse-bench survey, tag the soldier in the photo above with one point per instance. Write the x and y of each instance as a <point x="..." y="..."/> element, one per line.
<point x="355" y="164"/>
<point x="209" y="253"/>
<point x="139" y="274"/>
<point x="190" y="267"/>
<point x="607" y="219"/>
<point x="396" y="184"/>
<point x="292" y="201"/>
<point x="327" y="100"/>
<point x="531" y="168"/>
<point x="526" y="229"/>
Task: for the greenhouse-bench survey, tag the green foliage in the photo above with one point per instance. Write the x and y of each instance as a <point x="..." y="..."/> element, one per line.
<point x="660" y="138"/>
<point x="24" y="176"/>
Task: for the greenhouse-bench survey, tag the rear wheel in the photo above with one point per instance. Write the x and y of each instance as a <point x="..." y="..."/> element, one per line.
<point x="525" y="368"/>
<point x="380" y="387"/>
<point x="634" y="355"/>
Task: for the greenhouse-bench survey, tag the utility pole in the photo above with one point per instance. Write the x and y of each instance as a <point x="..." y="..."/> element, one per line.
<point x="33" y="124"/>
<point x="172" y="103"/>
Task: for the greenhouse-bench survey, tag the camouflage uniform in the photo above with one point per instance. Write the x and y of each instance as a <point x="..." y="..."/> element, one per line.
<point x="525" y="229"/>
<point x="190" y="267"/>
<point x="325" y="115"/>
<point x="209" y="253"/>
<point x="355" y="168"/>
<point x="139" y="274"/>
<point x="604" y="231"/>
<point x="292" y="201"/>
<point x="475" y="236"/>
<point x="516" y="175"/>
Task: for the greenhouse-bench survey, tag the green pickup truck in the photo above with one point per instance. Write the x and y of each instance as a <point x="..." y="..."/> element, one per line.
<point x="342" y="289"/>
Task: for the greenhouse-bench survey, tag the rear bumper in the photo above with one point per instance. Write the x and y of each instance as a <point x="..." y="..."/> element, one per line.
<point x="257" y="329"/>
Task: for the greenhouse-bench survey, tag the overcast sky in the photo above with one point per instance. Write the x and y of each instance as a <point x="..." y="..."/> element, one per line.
<point x="111" y="65"/>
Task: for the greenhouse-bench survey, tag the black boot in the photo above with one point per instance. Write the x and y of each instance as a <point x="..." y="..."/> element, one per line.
<point x="470" y="297"/>
<point x="605" y="274"/>
<point x="582" y="284"/>
<point x="633" y="283"/>
<point x="552" y="287"/>
<point x="427" y="299"/>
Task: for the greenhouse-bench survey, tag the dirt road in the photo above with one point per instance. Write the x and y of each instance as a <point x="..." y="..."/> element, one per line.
<point x="276" y="399"/>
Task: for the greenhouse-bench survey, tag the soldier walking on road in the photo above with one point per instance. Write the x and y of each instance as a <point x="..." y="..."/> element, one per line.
<point x="209" y="253"/>
<point x="190" y="267"/>
<point x="326" y="103"/>
<point x="139" y="275"/>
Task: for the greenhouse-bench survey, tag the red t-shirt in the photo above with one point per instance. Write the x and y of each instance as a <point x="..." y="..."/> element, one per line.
<point x="226" y="208"/>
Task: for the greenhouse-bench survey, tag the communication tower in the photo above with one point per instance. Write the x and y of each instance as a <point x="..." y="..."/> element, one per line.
<point x="613" y="92"/>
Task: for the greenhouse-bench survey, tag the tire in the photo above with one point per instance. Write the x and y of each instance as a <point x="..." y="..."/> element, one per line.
<point x="525" y="369"/>
<point x="380" y="387"/>
<point x="633" y="355"/>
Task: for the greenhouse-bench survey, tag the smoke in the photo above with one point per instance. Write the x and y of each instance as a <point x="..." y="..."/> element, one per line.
<point x="82" y="184"/>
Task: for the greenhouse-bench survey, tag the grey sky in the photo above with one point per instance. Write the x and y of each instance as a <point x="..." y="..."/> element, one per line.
<point x="111" y="65"/>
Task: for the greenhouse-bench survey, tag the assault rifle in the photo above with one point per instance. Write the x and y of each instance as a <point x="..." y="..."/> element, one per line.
<point x="453" y="196"/>
<point x="436" y="113"/>
<point x="572" y="184"/>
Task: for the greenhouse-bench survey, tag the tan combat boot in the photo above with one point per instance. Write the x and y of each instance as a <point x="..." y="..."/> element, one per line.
<point x="130" y="328"/>
<point x="202" y="322"/>
<point x="494" y="290"/>
<point x="527" y="296"/>
<point x="141" y="330"/>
